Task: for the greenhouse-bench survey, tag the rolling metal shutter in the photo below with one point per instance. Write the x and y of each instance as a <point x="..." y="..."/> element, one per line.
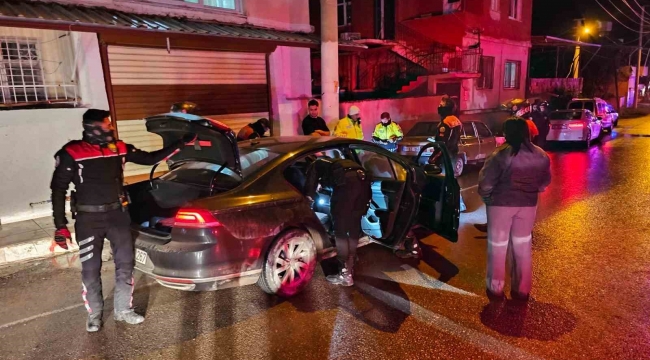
<point x="228" y="86"/>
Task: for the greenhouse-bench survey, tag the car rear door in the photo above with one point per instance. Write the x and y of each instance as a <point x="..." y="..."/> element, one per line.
<point x="439" y="205"/>
<point x="486" y="140"/>
<point x="469" y="142"/>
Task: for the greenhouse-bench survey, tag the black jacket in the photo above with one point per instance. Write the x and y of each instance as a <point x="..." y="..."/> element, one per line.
<point x="97" y="173"/>
<point x="310" y="125"/>
<point x="329" y="173"/>
<point x="449" y="133"/>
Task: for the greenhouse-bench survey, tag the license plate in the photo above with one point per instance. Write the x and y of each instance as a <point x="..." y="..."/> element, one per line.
<point x="141" y="256"/>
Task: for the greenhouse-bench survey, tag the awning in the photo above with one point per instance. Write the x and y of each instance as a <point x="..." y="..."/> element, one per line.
<point x="558" y="42"/>
<point x="25" y="13"/>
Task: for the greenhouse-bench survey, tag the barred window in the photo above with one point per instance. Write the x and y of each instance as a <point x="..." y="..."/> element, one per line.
<point x="486" y="81"/>
<point x="511" y="73"/>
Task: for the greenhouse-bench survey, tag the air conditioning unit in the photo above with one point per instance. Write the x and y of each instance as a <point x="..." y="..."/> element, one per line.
<point x="350" y="36"/>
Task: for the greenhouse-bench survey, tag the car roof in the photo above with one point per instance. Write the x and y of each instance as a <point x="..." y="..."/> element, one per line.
<point x="571" y="110"/>
<point x="287" y="144"/>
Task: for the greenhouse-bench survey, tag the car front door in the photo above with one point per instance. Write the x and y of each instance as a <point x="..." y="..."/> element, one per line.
<point x="486" y="140"/>
<point x="438" y="208"/>
<point x="469" y="142"/>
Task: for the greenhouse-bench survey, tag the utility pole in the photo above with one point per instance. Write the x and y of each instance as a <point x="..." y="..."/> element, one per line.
<point x="576" y="55"/>
<point x="638" y="63"/>
<point x="329" y="60"/>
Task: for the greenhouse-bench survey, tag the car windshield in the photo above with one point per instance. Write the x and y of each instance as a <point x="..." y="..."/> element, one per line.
<point x="589" y="105"/>
<point x="424" y="129"/>
<point x="566" y="115"/>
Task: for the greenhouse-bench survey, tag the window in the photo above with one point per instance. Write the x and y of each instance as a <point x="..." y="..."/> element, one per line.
<point x="377" y="165"/>
<point x="494" y="5"/>
<point x="344" y="12"/>
<point x="514" y="9"/>
<point x="221" y="4"/>
<point x="511" y="74"/>
<point x="468" y="129"/>
<point x="483" y="130"/>
<point x="486" y="81"/>
<point x="400" y="171"/>
<point x="21" y="75"/>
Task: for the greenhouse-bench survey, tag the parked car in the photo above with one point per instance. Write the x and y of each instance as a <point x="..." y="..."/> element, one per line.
<point x="598" y="108"/>
<point x="574" y="125"/>
<point x="229" y="214"/>
<point x="476" y="143"/>
<point x="613" y="114"/>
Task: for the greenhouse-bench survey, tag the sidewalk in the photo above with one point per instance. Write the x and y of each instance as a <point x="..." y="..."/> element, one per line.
<point x="31" y="239"/>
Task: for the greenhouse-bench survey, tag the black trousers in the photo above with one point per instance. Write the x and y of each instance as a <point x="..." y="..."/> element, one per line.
<point x="348" y="205"/>
<point x="91" y="229"/>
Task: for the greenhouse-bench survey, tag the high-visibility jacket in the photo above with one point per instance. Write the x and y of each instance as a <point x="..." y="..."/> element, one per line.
<point x="383" y="134"/>
<point x="347" y="128"/>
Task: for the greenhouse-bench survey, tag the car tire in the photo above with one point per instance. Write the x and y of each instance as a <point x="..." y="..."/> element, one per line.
<point x="289" y="264"/>
<point x="459" y="166"/>
<point x="588" y="140"/>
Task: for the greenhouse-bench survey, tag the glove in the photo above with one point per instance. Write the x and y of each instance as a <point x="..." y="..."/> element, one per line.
<point x="61" y="237"/>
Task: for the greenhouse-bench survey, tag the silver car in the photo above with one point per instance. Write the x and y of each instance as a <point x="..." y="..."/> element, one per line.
<point x="476" y="143"/>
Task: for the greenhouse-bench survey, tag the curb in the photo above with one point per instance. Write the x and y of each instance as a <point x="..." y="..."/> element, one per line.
<point x="34" y="249"/>
<point x="39" y="249"/>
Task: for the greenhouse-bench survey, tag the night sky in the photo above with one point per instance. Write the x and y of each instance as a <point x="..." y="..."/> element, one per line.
<point x="555" y="18"/>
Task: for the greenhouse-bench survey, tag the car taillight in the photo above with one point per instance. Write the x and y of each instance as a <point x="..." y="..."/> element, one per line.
<point x="196" y="218"/>
<point x="576" y="126"/>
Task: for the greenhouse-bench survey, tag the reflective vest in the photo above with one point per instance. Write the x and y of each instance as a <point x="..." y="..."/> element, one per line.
<point x="346" y="128"/>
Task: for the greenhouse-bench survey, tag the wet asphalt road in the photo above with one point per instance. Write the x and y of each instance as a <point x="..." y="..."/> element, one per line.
<point x="591" y="290"/>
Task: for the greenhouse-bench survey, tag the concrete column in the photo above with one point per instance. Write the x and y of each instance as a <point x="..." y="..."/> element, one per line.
<point x="329" y="60"/>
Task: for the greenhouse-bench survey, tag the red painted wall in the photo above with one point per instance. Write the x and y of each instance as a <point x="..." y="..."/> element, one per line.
<point x="408" y="9"/>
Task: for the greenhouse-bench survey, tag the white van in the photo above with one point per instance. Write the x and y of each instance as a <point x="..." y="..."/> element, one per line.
<point x="598" y="107"/>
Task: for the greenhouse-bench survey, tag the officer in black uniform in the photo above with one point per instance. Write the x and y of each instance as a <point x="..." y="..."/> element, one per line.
<point x="95" y="165"/>
<point x="351" y="194"/>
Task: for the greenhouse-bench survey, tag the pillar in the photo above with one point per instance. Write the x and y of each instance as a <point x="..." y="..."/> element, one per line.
<point x="329" y="60"/>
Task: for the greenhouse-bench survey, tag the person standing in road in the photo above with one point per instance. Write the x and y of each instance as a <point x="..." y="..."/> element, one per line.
<point x="254" y="130"/>
<point x="387" y="133"/>
<point x="95" y="165"/>
<point x="509" y="183"/>
<point x="351" y="194"/>
<point x="350" y="126"/>
<point x="313" y="124"/>
<point x="449" y="131"/>
<point x="542" y="121"/>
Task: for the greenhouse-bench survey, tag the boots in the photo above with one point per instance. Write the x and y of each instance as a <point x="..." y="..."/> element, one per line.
<point x="128" y="316"/>
<point x="94" y="322"/>
<point x="343" y="278"/>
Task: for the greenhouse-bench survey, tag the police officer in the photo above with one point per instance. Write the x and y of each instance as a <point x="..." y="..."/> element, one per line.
<point x="95" y="165"/>
<point x="350" y="126"/>
<point x="351" y="194"/>
<point x="449" y="131"/>
<point x="387" y="133"/>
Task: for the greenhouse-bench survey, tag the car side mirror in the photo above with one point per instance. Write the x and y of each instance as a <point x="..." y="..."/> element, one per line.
<point x="432" y="169"/>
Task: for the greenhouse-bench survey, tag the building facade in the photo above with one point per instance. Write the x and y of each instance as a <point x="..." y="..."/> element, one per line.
<point x="240" y="60"/>
<point x="475" y="50"/>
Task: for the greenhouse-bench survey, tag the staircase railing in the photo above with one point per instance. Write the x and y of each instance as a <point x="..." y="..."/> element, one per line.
<point x="386" y="71"/>
<point x="435" y="57"/>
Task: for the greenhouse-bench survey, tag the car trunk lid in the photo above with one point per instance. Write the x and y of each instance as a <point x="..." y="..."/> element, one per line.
<point x="216" y="142"/>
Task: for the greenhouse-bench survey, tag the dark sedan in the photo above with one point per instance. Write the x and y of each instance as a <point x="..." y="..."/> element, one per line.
<point x="229" y="214"/>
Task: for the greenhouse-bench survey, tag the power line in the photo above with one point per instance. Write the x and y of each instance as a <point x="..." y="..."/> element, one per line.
<point x="617" y="20"/>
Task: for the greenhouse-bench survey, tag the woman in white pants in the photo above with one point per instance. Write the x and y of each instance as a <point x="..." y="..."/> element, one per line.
<point x="509" y="183"/>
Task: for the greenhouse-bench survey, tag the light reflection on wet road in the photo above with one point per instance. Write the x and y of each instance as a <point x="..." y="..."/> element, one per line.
<point x="591" y="291"/>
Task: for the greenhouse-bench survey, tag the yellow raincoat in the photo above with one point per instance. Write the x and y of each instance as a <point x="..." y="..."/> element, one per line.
<point x="347" y="128"/>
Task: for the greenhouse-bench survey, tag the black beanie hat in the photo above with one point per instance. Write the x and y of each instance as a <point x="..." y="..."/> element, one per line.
<point x="95" y="115"/>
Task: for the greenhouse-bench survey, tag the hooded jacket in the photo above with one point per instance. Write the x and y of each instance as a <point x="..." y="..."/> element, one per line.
<point x="514" y="181"/>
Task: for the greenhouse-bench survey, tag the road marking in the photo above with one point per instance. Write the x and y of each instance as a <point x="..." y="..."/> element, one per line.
<point x="412" y="276"/>
<point x="469" y="188"/>
<point x="18" y="322"/>
<point x="482" y="341"/>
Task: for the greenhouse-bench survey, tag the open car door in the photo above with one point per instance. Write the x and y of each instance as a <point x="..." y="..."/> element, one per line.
<point x="439" y="208"/>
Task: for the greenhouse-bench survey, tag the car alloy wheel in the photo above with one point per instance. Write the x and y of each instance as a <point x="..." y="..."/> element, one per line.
<point x="289" y="264"/>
